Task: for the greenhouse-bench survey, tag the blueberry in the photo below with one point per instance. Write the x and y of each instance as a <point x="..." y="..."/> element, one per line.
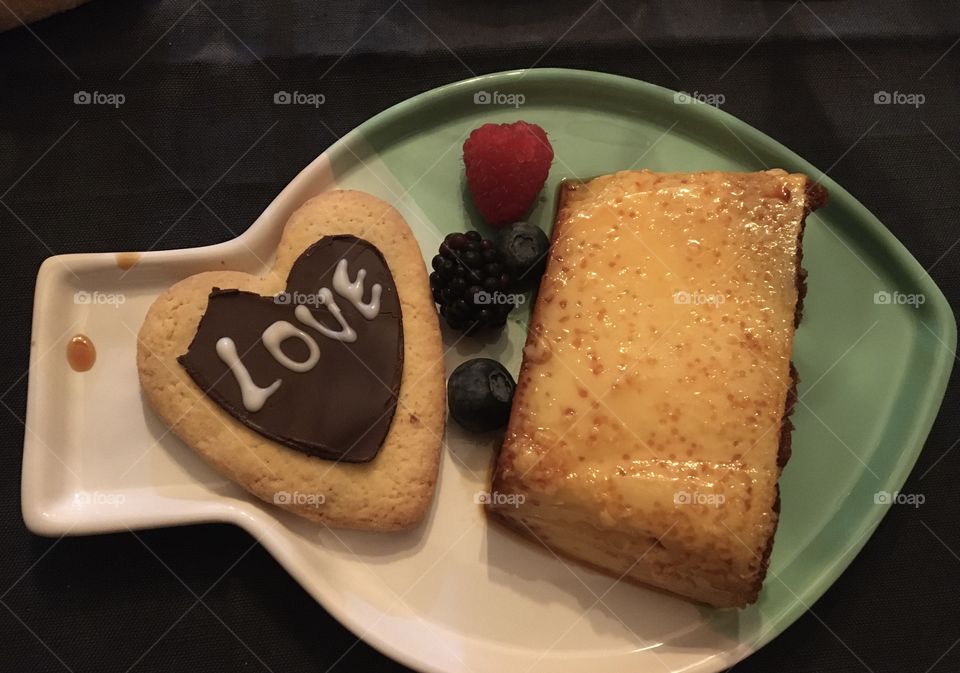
<point x="480" y="392"/>
<point x="523" y="250"/>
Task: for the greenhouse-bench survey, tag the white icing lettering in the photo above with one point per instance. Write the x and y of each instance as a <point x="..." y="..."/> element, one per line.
<point x="353" y="292"/>
<point x="254" y="397"/>
<point x="346" y="334"/>
<point x="279" y="332"/>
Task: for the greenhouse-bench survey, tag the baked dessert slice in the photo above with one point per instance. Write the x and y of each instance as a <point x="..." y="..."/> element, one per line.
<point x="650" y="420"/>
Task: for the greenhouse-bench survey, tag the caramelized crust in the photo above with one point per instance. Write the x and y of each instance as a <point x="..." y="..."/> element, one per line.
<point x="649" y="425"/>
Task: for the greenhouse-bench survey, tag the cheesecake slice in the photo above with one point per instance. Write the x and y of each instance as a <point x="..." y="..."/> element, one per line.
<point x="650" y="421"/>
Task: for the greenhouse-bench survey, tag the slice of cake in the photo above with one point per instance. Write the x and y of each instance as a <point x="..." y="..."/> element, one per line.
<point x="650" y="421"/>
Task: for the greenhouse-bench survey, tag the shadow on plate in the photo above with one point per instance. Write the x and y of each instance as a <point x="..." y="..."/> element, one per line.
<point x="646" y="617"/>
<point x="193" y="479"/>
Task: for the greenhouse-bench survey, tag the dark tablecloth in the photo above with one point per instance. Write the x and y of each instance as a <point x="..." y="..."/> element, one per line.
<point x="197" y="78"/>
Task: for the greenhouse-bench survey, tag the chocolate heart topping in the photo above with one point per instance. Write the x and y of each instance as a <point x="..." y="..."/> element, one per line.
<point x="317" y="368"/>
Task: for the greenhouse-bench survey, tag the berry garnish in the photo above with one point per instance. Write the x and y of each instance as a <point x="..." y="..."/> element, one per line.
<point x="507" y="165"/>
<point x="523" y="248"/>
<point x="480" y="392"/>
<point x="470" y="282"/>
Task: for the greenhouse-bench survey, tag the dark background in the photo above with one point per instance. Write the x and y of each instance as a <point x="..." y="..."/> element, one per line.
<point x="198" y="80"/>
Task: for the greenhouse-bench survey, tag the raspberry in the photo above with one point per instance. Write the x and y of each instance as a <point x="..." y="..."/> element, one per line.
<point x="507" y="165"/>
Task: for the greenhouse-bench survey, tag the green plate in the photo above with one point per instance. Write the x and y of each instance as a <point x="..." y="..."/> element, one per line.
<point x="874" y="351"/>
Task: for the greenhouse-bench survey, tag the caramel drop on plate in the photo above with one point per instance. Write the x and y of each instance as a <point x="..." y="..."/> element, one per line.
<point x="127" y="260"/>
<point x="81" y="353"/>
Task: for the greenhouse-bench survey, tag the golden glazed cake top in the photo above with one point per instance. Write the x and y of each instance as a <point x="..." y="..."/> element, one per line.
<point x="657" y="364"/>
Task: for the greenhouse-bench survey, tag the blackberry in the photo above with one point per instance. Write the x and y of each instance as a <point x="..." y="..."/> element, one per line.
<point x="470" y="282"/>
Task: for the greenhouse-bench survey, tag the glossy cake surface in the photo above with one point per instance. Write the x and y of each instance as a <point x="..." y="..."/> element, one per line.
<point x="646" y="429"/>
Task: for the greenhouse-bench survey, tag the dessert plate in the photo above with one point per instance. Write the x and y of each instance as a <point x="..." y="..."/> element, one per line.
<point x="455" y="594"/>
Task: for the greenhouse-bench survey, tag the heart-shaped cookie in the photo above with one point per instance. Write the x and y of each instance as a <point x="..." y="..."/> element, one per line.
<point x="317" y="412"/>
<point x="330" y="364"/>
